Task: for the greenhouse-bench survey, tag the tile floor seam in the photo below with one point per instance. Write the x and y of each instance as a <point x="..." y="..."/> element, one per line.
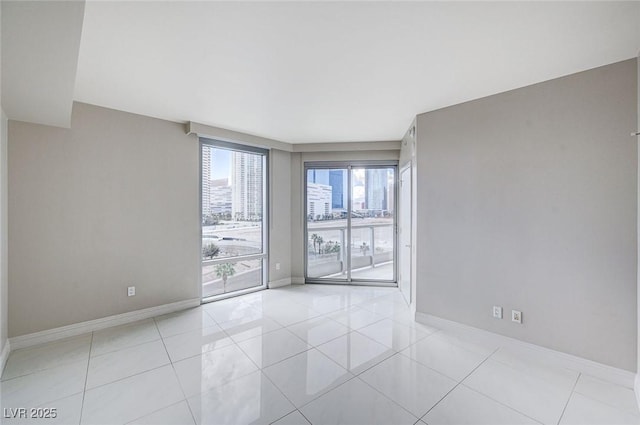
<point x="351" y="376"/>
<point x="156" y="411"/>
<point x="279" y="361"/>
<point x="375" y="364"/>
<point x="250" y="359"/>
<point x="207" y="313"/>
<point x="431" y="369"/>
<point x="124" y="348"/>
<point x="563" y="412"/>
<point x="290" y="324"/>
<point x="504" y="363"/>
<point x="384" y="345"/>
<point x="200" y="354"/>
<point x="383" y="395"/>
<point x="262" y="372"/>
<point x="634" y="413"/>
<point x="38" y="371"/>
<point x="333" y="361"/>
<point x="391" y="347"/>
<point x="129" y="376"/>
<point x="327" y="341"/>
<point x="86" y="379"/>
<point x="369" y="324"/>
<point x="427" y="337"/>
<point x="46" y="368"/>
<point x="307" y="419"/>
<point x="173" y="368"/>
<point x="458" y="382"/>
<point x="573" y="390"/>
<point x="488" y="396"/>
<point x="517" y="370"/>
<point x="262" y="334"/>
<point x="501" y="403"/>
<point x="184" y="332"/>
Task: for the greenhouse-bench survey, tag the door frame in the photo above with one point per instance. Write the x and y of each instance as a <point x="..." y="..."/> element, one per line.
<point x="406" y="168"/>
<point x="349" y="166"/>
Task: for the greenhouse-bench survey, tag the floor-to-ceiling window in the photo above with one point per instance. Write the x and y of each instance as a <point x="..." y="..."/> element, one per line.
<point x="350" y="222"/>
<point x="233" y="198"/>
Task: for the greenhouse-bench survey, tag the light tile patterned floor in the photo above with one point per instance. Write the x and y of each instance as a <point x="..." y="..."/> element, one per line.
<point x="314" y="354"/>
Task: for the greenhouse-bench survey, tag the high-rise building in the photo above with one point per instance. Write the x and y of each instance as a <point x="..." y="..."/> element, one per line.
<point x="206" y="177"/>
<point x="391" y="189"/>
<point x="318" y="200"/>
<point x="337" y="179"/>
<point x="338" y="183"/>
<point x="220" y="196"/>
<point x="376" y="183"/>
<point x="246" y="186"/>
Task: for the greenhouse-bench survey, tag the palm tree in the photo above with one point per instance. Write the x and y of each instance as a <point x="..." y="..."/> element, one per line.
<point x="210" y="250"/>
<point x="225" y="270"/>
<point x="314" y="238"/>
<point x="320" y="242"/>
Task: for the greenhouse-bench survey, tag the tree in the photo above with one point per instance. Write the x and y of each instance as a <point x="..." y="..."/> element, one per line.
<point x="332" y="247"/>
<point x="210" y="250"/>
<point x="225" y="270"/>
<point x="314" y="238"/>
<point x="364" y="248"/>
<point x="320" y="241"/>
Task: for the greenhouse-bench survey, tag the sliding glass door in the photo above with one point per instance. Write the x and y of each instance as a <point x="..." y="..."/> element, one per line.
<point x="350" y="222"/>
<point x="233" y="194"/>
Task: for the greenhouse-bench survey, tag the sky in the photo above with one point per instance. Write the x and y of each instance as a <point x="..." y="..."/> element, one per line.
<point x="220" y="163"/>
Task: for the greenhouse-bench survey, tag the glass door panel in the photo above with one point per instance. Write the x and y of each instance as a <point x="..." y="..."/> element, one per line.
<point x="327" y="223"/>
<point x="373" y="223"/>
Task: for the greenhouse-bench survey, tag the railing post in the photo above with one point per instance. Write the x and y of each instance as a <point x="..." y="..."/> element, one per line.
<point x="343" y="249"/>
<point x="373" y="246"/>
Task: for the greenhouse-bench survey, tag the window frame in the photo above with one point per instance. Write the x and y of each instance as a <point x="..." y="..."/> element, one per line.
<point x="264" y="255"/>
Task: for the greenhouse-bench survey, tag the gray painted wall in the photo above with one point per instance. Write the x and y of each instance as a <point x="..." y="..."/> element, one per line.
<point x="109" y="203"/>
<point x="280" y="215"/>
<point x="4" y="276"/>
<point x="4" y="332"/>
<point x="528" y="200"/>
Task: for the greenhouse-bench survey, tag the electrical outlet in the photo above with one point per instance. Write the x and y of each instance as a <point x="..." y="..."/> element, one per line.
<point x="516" y="316"/>
<point x="497" y="312"/>
<point x="277" y="266"/>
<point x="131" y="291"/>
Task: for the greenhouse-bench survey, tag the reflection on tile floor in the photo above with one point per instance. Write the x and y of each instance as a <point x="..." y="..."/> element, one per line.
<point x="314" y="354"/>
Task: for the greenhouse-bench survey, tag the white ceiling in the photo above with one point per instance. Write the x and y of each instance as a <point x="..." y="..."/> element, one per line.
<point x="306" y="72"/>
<point x="40" y="44"/>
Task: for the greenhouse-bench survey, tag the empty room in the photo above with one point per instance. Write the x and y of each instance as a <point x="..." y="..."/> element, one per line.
<point x="319" y="212"/>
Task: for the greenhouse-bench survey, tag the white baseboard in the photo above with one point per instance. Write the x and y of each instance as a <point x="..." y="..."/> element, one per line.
<point x="49" y="335"/>
<point x="569" y="361"/>
<point x="297" y="280"/>
<point x="4" y="355"/>
<point x="280" y="283"/>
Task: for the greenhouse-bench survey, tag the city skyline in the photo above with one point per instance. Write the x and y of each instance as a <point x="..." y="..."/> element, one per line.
<point x="232" y="183"/>
<point x="371" y="189"/>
